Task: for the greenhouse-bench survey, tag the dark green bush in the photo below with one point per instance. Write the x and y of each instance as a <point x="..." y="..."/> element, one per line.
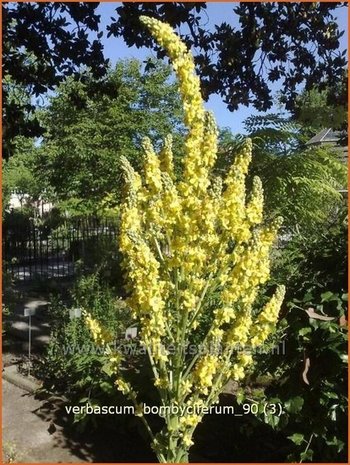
<point x="309" y="379"/>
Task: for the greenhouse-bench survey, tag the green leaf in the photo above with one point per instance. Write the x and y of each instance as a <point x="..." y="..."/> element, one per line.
<point x="336" y="442"/>
<point x="304" y="331"/>
<point x="272" y="420"/>
<point x="107" y="368"/>
<point x="308" y="297"/>
<point x="307" y="455"/>
<point x="297" y="438"/>
<point x="327" y="296"/>
<point x="240" y="396"/>
<point x="331" y="395"/>
<point x="294" y="405"/>
<point x="106" y="387"/>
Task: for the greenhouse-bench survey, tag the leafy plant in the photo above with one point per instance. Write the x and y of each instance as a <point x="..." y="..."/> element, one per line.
<point x="88" y="131"/>
<point x="73" y="365"/>
<point x="317" y="261"/>
<point x="309" y="379"/>
<point x="302" y="183"/>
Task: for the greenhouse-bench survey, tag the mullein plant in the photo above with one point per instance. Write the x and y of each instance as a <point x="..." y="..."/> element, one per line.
<point x="184" y="241"/>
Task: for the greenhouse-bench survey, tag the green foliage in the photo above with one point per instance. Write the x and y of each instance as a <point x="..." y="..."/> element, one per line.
<point x="11" y="298"/>
<point x="73" y="364"/>
<point x="87" y="131"/>
<point x="309" y="379"/>
<point x="102" y="256"/>
<point x="301" y="183"/>
<point x="91" y="245"/>
<point x="276" y="133"/>
<point x="228" y="145"/>
<point x="19" y="221"/>
<point x="303" y="187"/>
<point x="317" y="260"/>
<point x="18" y="120"/>
<point x="291" y="43"/>
<point x="18" y="172"/>
<point x="43" y="43"/>
<point x="317" y="110"/>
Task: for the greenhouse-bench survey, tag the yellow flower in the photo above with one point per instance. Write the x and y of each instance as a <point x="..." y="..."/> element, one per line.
<point x="100" y="335"/>
<point x="162" y="383"/>
<point x="189" y="86"/>
<point x="190" y="420"/>
<point x="255" y="207"/>
<point x="266" y="320"/>
<point x="139" y="410"/>
<point x="238" y="334"/>
<point x="216" y="333"/>
<point x="187" y="440"/>
<point x="123" y="386"/>
<point x="153" y="179"/>
<point x="190" y="243"/>
<point x="233" y="210"/>
<point x="186" y="387"/>
<point x="205" y="370"/>
<point x="237" y="372"/>
<point x="245" y="359"/>
<point x="189" y="300"/>
<point x="224" y="315"/>
<point x="166" y="157"/>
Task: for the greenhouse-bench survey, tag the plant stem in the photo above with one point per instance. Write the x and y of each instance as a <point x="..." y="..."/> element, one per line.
<point x="308" y="445"/>
<point x="200" y="302"/>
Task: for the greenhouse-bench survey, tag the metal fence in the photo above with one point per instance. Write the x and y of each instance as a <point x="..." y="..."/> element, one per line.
<point x="38" y="252"/>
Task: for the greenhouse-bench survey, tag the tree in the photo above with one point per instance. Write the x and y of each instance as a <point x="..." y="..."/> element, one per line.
<point x="293" y="43"/>
<point x="87" y="130"/>
<point x="18" y="173"/>
<point x="289" y="42"/>
<point x="327" y="108"/>
<point x="42" y="44"/>
<point x="302" y="184"/>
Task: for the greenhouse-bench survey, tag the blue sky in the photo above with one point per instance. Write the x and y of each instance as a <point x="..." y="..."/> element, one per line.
<point x="115" y="48"/>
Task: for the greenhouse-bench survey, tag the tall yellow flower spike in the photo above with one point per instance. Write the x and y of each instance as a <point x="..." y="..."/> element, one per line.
<point x="194" y="250"/>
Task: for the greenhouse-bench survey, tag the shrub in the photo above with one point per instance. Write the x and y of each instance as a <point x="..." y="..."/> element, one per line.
<point x="310" y="378"/>
<point x="73" y="365"/>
